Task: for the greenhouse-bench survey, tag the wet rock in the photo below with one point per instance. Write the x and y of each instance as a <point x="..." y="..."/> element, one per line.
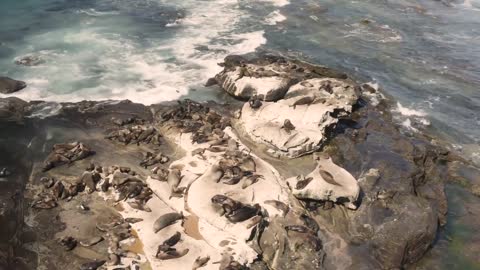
<point x="8" y="85"/>
<point x="12" y="109"/>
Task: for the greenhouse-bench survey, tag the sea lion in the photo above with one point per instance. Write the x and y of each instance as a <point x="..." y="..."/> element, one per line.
<point x="92" y="241"/>
<point x="133" y="220"/>
<point x="255" y="102"/>
<point x="200" y="262"/>
<point x="227" y="204"/>
<point x="327" y="86"/>
<point x="233" y="175"/>
<point x="47" y="182"/>
<point x="310" y="223"/>
<point x="251" y="179"/>
<point x="172" y="254"/>
<point x="173" y="240"/>
<point x="297" y="228"/>
<point x="243" y="71"/>
<point x="328" y="177"/>
<point x="68" y="242"/>
<point x="113" y="259"/>
<point x="166" y="220"/>
<point x="139" y="205"/>
<point x="288" y="126"/>
<point x="307" y="100"/>
<point x="302" y="182"/>
<point x="57" y="190"/>
<point x="94" y="265"/>
<point x="243" y="213"/>
<point x="173" y="179"/>
<point x="279" y="205"/>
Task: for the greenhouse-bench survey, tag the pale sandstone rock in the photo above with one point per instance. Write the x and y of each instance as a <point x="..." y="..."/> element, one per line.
<point x="311" y="121"/>
<point x="329" y="183"/>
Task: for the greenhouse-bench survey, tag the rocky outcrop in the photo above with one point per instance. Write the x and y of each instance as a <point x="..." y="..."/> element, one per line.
<point x="8" y="85"/>
<point x="297" y="123"/>
<point x="187" y="186"/>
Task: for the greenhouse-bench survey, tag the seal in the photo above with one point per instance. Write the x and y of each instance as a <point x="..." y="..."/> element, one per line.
<point x="166" y="220"/>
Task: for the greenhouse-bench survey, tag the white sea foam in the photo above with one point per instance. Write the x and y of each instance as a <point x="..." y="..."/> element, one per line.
<point x="409" y="112"/>
<point x="275" y="17"/>
<point x="411" y="119"/>
<point x="97" y="63"/>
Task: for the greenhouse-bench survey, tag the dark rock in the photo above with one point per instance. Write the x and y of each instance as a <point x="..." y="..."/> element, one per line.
<point x="8" y="85"/>
<point x="12" y="109"/>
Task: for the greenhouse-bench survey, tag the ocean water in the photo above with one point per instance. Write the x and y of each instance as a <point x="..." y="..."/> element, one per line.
<point x="424" y="53"/>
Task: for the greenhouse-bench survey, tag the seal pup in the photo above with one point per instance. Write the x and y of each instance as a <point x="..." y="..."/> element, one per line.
<point x="288" y="126"/>
<point x="200" y="262"/>
<point x="166" y="220"/>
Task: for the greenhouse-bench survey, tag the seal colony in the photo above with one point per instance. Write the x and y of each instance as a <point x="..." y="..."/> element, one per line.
<point x="190" y="185"/>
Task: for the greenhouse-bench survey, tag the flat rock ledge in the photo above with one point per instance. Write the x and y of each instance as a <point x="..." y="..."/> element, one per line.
<point x="291" y="107"/>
